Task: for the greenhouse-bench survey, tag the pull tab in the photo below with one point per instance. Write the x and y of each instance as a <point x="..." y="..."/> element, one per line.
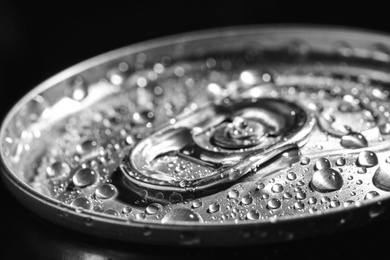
<point x="217" y="144"/>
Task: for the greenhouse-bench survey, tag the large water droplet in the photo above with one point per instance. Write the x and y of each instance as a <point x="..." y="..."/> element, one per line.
<point x="322" y="163"/>
<point x="105" y="191"/>
<point x="82" y="203"/>
<point x="247" y="199"/>
<point x="87" y="146"/>
<point x="143" y="117"/>
<point x="381" y="178"/>
<point x="84" y="177"/>
<point x="274" y="203"/>
<point x="181" y="215"/>
<point x="153" y="209"/>
<point x="253" y="215"/>
<point x="326" y="180"/>
<point x="277" y="187"/>
<point x="384" y="129"/>
<point x="175" y="197"/>
<point x="58" y="170"/>
<point x="78" y="89"/>
<point x="353" y="141"/>
<point x="213" y="207"/>
<point x="233" y="194"/>
<point x="367" y="159"/>
<point x="371" y="194"/>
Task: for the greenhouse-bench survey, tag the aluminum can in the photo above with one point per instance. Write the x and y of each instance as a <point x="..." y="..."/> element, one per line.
<point x="236" y="136"/>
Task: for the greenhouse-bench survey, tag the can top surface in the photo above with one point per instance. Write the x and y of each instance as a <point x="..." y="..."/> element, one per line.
<point x="271" y="133"/>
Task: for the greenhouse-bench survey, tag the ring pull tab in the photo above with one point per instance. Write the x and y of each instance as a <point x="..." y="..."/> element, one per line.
<point x="217" y="144"/>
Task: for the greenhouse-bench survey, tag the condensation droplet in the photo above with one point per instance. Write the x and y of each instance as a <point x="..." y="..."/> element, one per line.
<point x="326" y="180"/>
<point x="384" y="129"/>
<point x="153" y="209"/>
<point x="82" y="202"/>
<point x="305" y="160"/>
<point x="371" y="194"/>
<point x="340" y="161"/>
<point x="253" y="215"/>
<point x="58" y="170"/>
<point x="291" y="176"/>
<point x="233" y="194"/>
<point x="247" y="199"/>
<point x="381" y="178"/>
<point x="112" y="212"/>
<point x="353" y="141"/>
<point x="78" y="89"/>
<point x="274" y="203"/>
<point x="87" y="146"/>
<point x="196" y="204"/>
<point x="277" y="188"/>
<point x="367" y="159"/>
<point x="105" y="191"/>
<point x="181" y="215"/>
<point x="322" y="163"/>
<point x="175" y="197"/>
<point x="213" y="207"/>
<point x="84" y="177"/>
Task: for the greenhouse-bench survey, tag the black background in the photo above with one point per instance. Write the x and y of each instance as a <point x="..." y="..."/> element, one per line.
<point x="40" y="38"/>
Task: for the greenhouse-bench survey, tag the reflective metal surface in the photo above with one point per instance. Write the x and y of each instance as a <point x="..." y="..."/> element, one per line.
<point x="271" y="134"/>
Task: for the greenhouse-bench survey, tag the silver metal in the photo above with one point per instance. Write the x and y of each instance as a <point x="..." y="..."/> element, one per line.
<point x="216" y="138"/>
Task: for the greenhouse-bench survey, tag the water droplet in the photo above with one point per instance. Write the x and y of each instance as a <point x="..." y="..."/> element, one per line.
<point x="143" y="117"/>
<point x="82" y="203"/>
<point x="305" y="160"/>
<point x="84" y="177"/>
<point x="340" y="161"/>
<point x="78" y="89"/>
<point x="87" y="147"/>
<point x="196" y="204"/>
<point x="153" y="209"/>
<point x="381" y="178"/>
<point x="260" y="186"/>
<point x="233" y="194"/>
<point x="213" y="207"/>
<point x="274" y="203"/>
<point x="247" y="199"/>
<point x="175" y="197"/>
<point x="299" y="205"/>
<point x="300" y="195"/>
<point x="105" y="191"/>
<point x="126" y="210"/>
<point x="312" y="200"/>
<point x="181" y="215"/>
<point x="353" y="141"/>
<point x="291" y="176"/>
<point x="384" y="129"/>
<point x="367" y="159"/>
<point x="371" y="194"/>
<point x="334" y="203"/>
<point x="140" y="216"/>
<point x="277" y="188"/>
<point x="112" y="212"/>
<point x="253" y="215"/>
<point x="58" y="170"/>
<point x="322" y="163"/>
<point x="326" y="180"/>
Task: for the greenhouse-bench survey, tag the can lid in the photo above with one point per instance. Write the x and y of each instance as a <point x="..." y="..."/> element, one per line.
<point x="211" y="139"/>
